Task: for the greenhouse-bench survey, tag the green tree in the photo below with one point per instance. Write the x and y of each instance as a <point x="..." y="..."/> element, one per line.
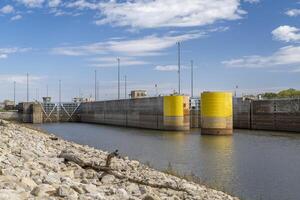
<point x="269" y="95"/>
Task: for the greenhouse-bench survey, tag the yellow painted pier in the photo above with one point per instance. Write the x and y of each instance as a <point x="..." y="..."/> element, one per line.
<point x="216" y="113"/>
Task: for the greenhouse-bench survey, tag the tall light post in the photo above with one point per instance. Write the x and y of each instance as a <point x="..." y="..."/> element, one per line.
<point x="192" y="78"/>
<point x="235" y="91"/>
<point x="14" y="92"/>
<point x="119" y="78"/>
<point x="95" y="85"/>
<point x="47" y="91"/>
<point x="125" y="88"/>
<point x="179" y="68"/>
<point x="27" y="87"/>
<point x="59" y="99"/>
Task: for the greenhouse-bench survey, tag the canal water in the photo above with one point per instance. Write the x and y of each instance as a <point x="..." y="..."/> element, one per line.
<point x="250" y="164"/>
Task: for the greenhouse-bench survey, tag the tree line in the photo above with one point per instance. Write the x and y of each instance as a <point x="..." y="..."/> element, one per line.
<point x="289" y="93"/>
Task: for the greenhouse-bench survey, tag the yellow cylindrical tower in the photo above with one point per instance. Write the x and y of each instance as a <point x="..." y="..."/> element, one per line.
<point x="176" y="113"/>
<point x="216" y="113"/>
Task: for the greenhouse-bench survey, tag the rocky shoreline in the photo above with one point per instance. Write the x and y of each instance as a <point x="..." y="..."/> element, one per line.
<point x="35" y="165"/>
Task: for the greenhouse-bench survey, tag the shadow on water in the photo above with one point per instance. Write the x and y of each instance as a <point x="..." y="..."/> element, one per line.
<point x="249" y="164"/>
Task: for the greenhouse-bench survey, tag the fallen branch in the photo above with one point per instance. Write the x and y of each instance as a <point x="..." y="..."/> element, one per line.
<point x="71" y="157"/>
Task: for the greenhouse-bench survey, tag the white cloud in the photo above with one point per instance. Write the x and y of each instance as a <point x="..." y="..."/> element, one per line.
<point x="168" y="13"/>
<point x="287" y="34"/>
<point x="7" y="9"/>
<point x="293" y="12"/>
<point x="166" y="68"/>
<point x="21" y="79"/>
<point x="169" y="68"/>
<point x="83" y="4"/>
<point x="297" y="70"/>
<point x="15" y="18"/>
<point x="147" y="46"/>
<point x="286" y="56"/>
<point x="252" y="1"/>
<point x="3" y="56"/>
<point x="54" y="3"/>
<point x="112" y="62"/>
<point x="32" y="3"/>
<point x="4" y="52"/>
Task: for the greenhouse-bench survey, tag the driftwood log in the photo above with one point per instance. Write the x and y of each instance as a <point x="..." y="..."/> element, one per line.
<point x="71" y="157"/>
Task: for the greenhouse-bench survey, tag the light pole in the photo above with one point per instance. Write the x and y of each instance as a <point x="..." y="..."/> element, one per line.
<point x="192" y="78"/>
<point x="235" y="91"/>
<point x="27" y="87"/>
<point x="95" y="85"/>
<point x="59" y="99"/>
<point x="125" y="87"/>
<point x="179" y="68"/>
<point x="119" y="78"/>
<point x="47" y="91"/>
<point x="14" y="92"/>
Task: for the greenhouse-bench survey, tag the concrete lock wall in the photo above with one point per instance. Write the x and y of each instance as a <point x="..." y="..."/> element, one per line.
<point x="37" y="114"/>
<point x="281" y="115"/>
<point x="10" y="115"/>
<point x="241" y="113"/>
<point x="165" y="113"/>
<point x="273" y="115"/>
<point x="25" y="111"/>
<point x="151" y="113"/>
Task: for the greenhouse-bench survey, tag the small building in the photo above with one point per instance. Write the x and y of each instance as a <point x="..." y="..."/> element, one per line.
<point x="78" y="99"/>
<point x="9" y="105"/>
<point x="138" y="94"/>
<point x="194" y="103"/>
<point x="81" y="99"/>
<point x="46" y="100"/>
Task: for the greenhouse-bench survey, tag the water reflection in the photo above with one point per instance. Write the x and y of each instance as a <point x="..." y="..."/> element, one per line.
<point x="250" y="164"/>
<point x="219" y="162"/>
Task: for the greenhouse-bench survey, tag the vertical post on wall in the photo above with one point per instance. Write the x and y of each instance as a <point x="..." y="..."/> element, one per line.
<point x="192" y="78"/>
<point x="59" y="99"/>
<point x="125" y="89"/>
<point x="14" y="92"/>
<point x="27" y="87"/>
<point x="179" y="68"/>
<point x="118" y="78"/>
<point x="95" y="85"/>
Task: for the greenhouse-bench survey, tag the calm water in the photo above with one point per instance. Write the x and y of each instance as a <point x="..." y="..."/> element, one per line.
<point x="250" y="165"/>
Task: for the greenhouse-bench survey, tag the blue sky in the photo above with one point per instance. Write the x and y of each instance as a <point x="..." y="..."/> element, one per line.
<point x="250" y="43"/>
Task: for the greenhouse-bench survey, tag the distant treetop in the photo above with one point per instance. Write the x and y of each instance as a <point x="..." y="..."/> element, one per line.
<point x="289" y="93"/>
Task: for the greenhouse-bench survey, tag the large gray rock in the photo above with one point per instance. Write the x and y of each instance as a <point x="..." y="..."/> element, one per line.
<point x="67" y="192"/>
<point x="12" y="195"/>
<point x="107" y="179"/>
<point x="29" y="182"/>
<point x="43" y="190"/>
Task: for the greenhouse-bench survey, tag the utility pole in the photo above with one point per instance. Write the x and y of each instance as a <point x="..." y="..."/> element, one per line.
<point x="59" y="92"/>
<point x="59" y="99"/>
<point x="192" y="78"/>
<point x="98" y="90"/>
<point x="125" y="88"/>
<point x="47" y="91"/>
<point x="27" y="87"/>
<point x="95" y="85"/>
<point x="118" y="78"/>
<point x="14" y="92"/>
<point x="156" y="91"/>
<point x="36" y="94"/>
<point x="179" y="68"/>
<point x="235" y="91"/>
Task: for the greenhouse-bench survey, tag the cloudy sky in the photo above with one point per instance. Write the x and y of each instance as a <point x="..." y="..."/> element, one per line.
<point x="254" y="44"/>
